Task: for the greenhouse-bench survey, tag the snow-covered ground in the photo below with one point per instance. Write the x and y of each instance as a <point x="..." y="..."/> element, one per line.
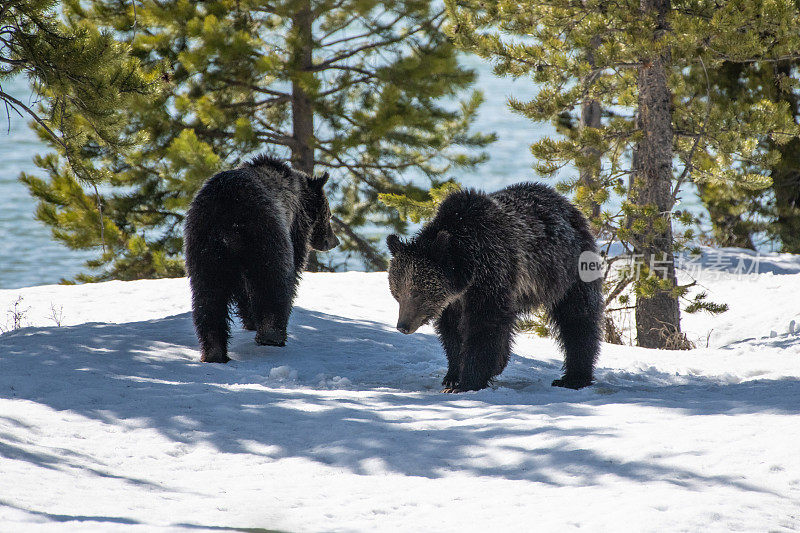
<point x="109" y="422"/>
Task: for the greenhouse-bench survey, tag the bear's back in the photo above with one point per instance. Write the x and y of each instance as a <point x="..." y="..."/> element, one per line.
<point x="257" y="188"/>
<point x="527" y="233"/>
<point x="545" y="213"/>
<point x="283" y="185"/>
<point x="551" y="233"/>
<point x="521" y="212"/>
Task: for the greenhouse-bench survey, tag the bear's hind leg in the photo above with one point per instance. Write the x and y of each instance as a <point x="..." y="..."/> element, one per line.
<point x="577" y="320"/>
<point x="272" y="308"/>
<point x="271" y="294"/>
<point x="244" y="308"/>
<point x="211" y="296"/>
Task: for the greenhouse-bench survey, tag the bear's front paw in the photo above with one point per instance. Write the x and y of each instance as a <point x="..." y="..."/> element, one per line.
<point x="572" y="383"/>
<point x="451" y="390"/>
<point x="465" y="385"/>
<point x="271" y="337"/>
<point x="450" y="381"/>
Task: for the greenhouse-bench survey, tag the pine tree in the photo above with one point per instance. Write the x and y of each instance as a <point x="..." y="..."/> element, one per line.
<point x="82" y="75"/>
<point x="785" y="215"/>
<point x="739" y="214"/>
<point x="364" y="89"/>
<point x="630" y="59"/>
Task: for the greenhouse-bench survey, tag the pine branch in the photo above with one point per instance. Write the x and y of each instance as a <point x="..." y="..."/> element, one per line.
<point x="257" y="104"/>
<point x="688" y="165"/>
<point x="365" y="248"/>
<point x="257" y="88"/>
<point x="8" y="98"/>
<point x="372" y="31"/>
<point x="617" y="290"/>
<point x="343" y="86"/>
<point x="378" y="44"/>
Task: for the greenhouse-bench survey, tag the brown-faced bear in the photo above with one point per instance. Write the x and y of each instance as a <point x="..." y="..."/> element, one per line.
<point x="247" y="237"/>
<point x="486" y="259"/>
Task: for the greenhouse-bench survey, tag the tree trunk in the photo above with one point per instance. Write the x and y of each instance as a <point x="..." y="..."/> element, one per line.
<point x="658" y="314"/>
<point x="302" y="109"/>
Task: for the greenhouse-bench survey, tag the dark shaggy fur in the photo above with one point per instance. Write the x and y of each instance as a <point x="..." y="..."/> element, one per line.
<point x="486" y="259"/>
<point x="247" y="237"/>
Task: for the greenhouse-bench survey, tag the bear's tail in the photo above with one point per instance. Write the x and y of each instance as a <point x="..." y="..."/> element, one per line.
<point x="577" y="320"/>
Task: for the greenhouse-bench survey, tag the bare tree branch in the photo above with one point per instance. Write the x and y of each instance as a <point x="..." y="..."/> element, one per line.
<point x="8" y="98"/>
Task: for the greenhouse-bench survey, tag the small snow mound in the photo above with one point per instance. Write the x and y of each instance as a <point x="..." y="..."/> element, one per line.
<point x="336" y="382"/>
<point x="283" y="373"/>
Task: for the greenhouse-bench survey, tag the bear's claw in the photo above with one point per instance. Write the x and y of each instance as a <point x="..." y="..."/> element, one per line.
<point x="449" y="383"/>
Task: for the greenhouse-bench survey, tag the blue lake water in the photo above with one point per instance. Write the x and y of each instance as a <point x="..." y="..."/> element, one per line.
<point x="29" y="255"/>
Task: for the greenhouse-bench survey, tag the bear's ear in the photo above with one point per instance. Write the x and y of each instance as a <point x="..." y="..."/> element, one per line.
<point x="394" y="243"/>
<point x="442" y="241"/>
<point x="445" y="251"/>
<point x="440" y="247"/>
<point x="320" y="182"/>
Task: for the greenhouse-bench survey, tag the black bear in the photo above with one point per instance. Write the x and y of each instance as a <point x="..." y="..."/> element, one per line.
<point x="247" y="237"/>
<point x="486" y="259"/>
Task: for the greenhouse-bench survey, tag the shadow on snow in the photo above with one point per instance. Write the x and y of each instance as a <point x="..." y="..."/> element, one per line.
<point x="148" y="372"/>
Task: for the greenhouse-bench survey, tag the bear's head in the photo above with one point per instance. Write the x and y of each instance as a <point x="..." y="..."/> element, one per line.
<point x="322" y="236"/>
<point x="424" y="277"/>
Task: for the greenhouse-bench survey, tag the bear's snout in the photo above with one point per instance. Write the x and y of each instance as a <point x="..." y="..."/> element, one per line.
<point x="410" y="318"/>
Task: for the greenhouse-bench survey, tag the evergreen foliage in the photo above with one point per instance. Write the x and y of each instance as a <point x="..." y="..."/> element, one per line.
<point x="419" y="210"/>
<point x="84" y="79"/>
<point x="740" y="215"/>
<point x="700" y="303"/>
<point x="367" y="90"/>
<point x="83" y="74"/>
<point x="629" y="87"/>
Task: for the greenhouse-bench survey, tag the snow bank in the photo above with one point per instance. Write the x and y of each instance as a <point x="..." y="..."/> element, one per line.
<point x="109" y="422"/>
